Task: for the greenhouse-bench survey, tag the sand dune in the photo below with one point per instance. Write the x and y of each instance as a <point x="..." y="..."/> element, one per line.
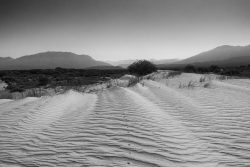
<point x="151" y="124"/>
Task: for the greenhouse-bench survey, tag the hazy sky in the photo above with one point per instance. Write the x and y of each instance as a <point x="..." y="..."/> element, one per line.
<point x="122" y="29"/>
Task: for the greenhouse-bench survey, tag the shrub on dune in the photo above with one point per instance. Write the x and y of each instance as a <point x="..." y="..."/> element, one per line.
<point x="142" y="67"/>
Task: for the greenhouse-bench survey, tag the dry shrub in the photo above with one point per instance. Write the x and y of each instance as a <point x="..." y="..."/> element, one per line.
<point x="133" y="81"/>
<point x="142" y="67"/>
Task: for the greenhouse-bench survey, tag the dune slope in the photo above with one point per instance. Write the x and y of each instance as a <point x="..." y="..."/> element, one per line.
<point x="150" y="124"/>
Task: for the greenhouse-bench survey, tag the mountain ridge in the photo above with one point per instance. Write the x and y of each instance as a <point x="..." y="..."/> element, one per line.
<point x="49" y="60"/>
<point x="224" y="55"/>
<point x="221" y="55"/>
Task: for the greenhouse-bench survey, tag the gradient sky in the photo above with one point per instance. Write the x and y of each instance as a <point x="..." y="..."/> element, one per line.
<point x="122" y="29"/>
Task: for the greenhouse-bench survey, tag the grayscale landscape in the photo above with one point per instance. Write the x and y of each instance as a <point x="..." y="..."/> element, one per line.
<point x="120" y="83"/>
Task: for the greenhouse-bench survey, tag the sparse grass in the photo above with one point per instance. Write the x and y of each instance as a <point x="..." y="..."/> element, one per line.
<point x="150" y="77"/>
<point x="35" y="92"/>
<point x="109" y="84"/>
<point x="189" y="85"/>
<point x="222" y="77"/>
<point x="240" y="71"/>
<point x="166" y="83"/>
<point x="5" y="95"/>
<point x="172" y="74"/>
<point x="162" y="75"/>
<point x="133" y="81"/>
<point x="202" y="79"/>
<point x="181" y="85"/>
<point x="225" y="77"/>
<point x="142" y="83"/>
<point x="207" y="85"/>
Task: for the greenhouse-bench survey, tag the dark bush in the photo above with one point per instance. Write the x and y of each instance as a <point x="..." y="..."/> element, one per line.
<point x="142" y="67"/>
<point x="202" y="70"/>
<point x="14" y="88"/>
<point x="214" y="68"/>
<point x="190" y="68"/>
<point x="43" y="81"/>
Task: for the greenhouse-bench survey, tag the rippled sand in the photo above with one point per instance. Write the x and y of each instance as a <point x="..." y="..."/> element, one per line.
<point x="151" y="124"/>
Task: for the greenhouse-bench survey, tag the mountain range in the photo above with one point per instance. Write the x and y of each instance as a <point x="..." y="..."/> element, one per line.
<point x="50" y="60"/>
<point x="223" y="55"/>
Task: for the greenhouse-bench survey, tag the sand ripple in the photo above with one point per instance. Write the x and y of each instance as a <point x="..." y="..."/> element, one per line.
<point x="150" y="125"/>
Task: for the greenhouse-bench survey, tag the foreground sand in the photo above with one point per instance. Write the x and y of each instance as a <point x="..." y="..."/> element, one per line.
<point x="156" y="123"/>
